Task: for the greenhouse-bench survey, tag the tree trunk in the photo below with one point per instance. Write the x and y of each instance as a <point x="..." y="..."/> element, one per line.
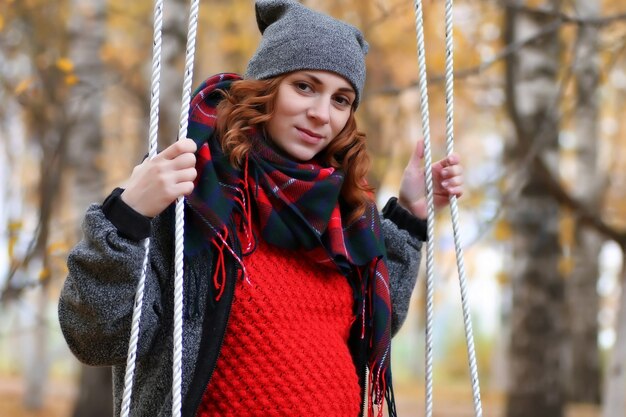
<point x="537" y="319"/>
<point x="94" y="398"/>
<point x="175" y="22"/>
<point x="12" y="150"/>
<point x="36" y="348"/>
<point x="583" y="370"/>
<point x="583" y="376"/>
<point x="88" y="26"/>
<point x="615" y="382"/>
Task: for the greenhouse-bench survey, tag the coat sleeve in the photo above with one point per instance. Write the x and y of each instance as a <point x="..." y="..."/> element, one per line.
<point x="404" y="235"/>
<point x="97" y="298"/>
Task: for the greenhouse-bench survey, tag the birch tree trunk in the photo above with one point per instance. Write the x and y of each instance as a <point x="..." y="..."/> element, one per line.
<point x="87" y="25"/>
<point x="615" y="382"/>
<point x="583" y="376"/>
<point x="87" y="28"/>
<point x="537" y="319"/>
<point x="15" y="67"/>
<point x="614" y="391"/>
<point x="175" y="22"/>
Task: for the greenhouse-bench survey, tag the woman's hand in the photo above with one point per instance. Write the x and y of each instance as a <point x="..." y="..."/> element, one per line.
<point x="447" y="181"/>
<point x="156" y="183"/>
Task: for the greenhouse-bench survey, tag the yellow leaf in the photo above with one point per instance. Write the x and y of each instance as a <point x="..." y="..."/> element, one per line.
<point x="12" y="243"/>
<point x="44" y="274"/>
<point x="23" y="86"/>
<point x="502" y="278"/>
<point x="57" y="247"/>
<point x="1" y="22"/>
<point x="566" y="266"/>
<point x="567" y="229"/>
<point x="502" y="231"/>
<point x="71" y="79"/>
<point x="15" y="225"/>
<point x="65" y="64"/>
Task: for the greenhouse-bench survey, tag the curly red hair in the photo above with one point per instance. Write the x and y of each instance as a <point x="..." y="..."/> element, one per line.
<point x="249" y="104"/>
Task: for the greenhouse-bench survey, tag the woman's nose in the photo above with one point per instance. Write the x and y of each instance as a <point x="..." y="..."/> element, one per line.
<point x="320" y="110"/>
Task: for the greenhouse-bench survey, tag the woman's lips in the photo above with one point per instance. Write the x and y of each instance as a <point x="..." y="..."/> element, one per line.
<point x="309" y="136"/>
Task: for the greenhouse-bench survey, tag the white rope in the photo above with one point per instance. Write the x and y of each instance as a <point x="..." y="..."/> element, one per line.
<point x="430" y="253"/>
<point x="423" y="86"/>
<point x="179" y="236"/>
<point x="179" y="228"/>
<point x="180" y="217"/>
<point x="152" y="150"/>
<point x="467" y="320"/>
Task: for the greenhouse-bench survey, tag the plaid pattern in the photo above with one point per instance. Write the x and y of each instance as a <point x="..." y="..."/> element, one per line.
<point x="298" y="206"/>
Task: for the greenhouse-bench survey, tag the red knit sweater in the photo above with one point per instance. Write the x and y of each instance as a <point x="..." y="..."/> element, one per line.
<point x="285" y="351"/>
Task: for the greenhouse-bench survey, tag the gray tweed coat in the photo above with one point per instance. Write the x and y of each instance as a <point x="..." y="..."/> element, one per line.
<point x="96" y="304"/>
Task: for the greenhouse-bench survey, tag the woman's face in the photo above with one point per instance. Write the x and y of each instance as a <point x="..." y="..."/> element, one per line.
<point x="312" y="108"/>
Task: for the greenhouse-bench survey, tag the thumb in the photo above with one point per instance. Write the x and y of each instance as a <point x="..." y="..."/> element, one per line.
<point x="418" y="153"/>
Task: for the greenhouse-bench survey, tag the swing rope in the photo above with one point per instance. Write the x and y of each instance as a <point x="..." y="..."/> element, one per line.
<point x="180" y="212"/>
<point x="179" y="227"/>
<point x="179" y="238"/>
<point x="423" y="86"/>
<point x="152" y="150"/>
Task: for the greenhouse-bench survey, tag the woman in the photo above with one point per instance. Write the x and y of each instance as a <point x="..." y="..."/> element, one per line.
<point x="294" y="284"/>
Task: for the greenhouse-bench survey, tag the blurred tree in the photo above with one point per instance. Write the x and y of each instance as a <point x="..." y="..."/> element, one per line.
<point x="175" y="23"/>
<point x="588" y="184"/>
<point x="537" y="319"/>
<point x="87" y="28"/>
<point x="57" y="79"/>
<point x="41" y="91"/>
<point x="371" y="120"/>
<point x="615" y="381"/>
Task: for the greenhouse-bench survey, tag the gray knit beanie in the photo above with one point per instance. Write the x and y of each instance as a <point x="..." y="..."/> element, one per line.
<point x="297" y="38"/>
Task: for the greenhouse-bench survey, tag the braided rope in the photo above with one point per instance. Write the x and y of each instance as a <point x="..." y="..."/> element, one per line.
<point x="430" y="253"/>
<point x="179" y="237"/>
<point x="152" y="150"/>
<point x="423" y="86"/>
<point x="467" y="320"/>
<point x="180" y="217"/>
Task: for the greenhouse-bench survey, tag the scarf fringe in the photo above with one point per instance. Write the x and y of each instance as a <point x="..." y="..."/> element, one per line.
<point x="221" y="238"/>
<point x="298" y="205"/>
<point x="381" y="390"/>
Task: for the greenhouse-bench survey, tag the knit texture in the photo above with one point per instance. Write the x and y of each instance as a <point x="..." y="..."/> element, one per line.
<point x="285" y="352"/>
<point x="298" y="38"/>
<point x="96" y="305"/>
<point x="299" y="206"/>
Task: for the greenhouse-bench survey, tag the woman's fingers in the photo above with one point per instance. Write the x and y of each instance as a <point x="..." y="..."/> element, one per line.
<point x="183" y="161"/>
<point x="158" y="182"/>
<point x="186" y="187"/>
<point x="452" y="182"/>
<point x="450" y="160"/>
<point x="180" y="147"/>
<point x="185" y="175"/>
<point x="451" y="176"/>
<point x="452" y="171"/>
<point x="456" y="191"/>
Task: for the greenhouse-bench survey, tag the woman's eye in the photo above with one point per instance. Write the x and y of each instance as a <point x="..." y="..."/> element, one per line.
<point x="303" y="86"/>
<point x="344" y="101"/>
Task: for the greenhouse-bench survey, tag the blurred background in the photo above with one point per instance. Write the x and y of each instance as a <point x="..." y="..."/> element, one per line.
<point x="540" y="120"/>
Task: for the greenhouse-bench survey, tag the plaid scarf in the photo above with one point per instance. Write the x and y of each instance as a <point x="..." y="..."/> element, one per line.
<point x="298" y="206"/>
